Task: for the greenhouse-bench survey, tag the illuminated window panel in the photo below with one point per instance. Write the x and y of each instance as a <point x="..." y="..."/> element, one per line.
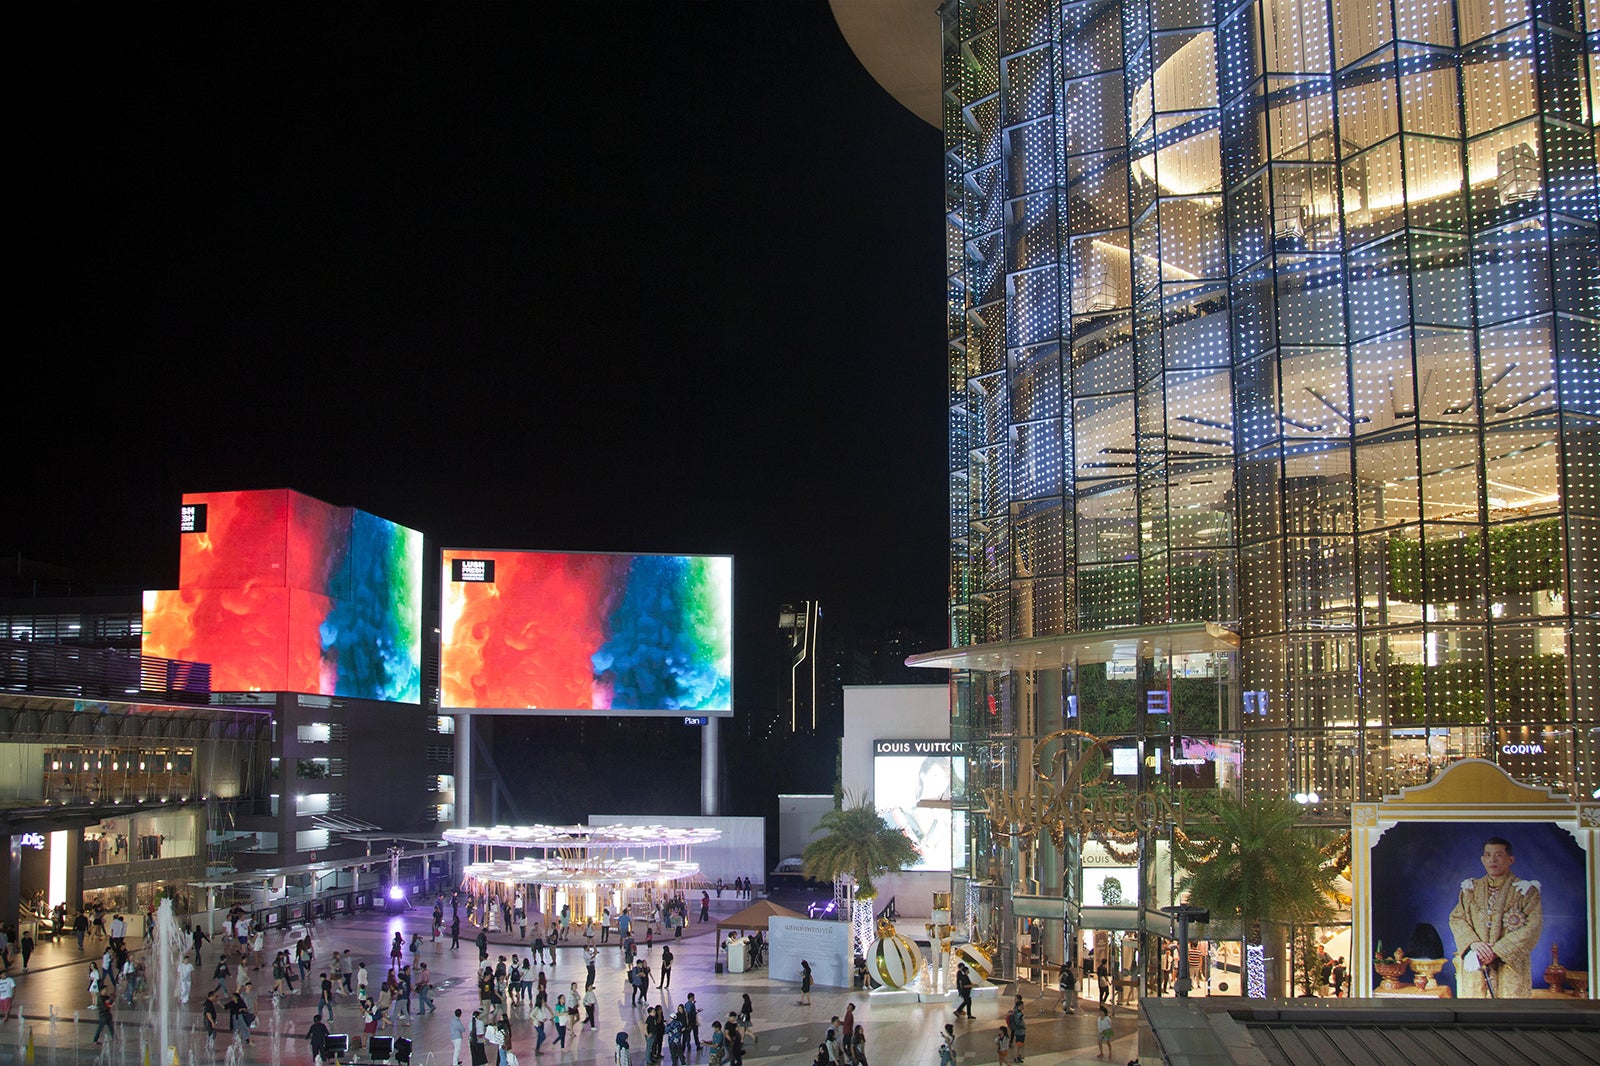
<point x="1029" y="91"/>
<point x="1576" y="270"/>
<point x="1389" y="572"/>
<point x="1583" y="556"/>
<point x="1380" y="287"/>
<point x="1511" y="266"/>
<point x="1526" y="569"/>
<point x="1321" y="583"/>
<point x="1498" y="81"/>
<point x="1518" y="370"/>
<point x="1430" y="100"/>
<point x="1311" y="299"/>
<point x="1295" y="36"/>
<point x="1321" y="686"/>
<point x="1505" y="176"/>
<point x="1262" y="603"/>
<point x="1037" y="460"/>
<point x="1581" y="469"/>
<point x="1450" y="571"/>
<point x="1030" y="157"/>
<point x="1032" y="232"/>
<point x="1316" y="491"/>
<point x="1441" y="280"/>
<point x="1261" y="496"/>
<point x="1522" y="469"/>
<point x="1529" y="663"/>
<point x="1035" y="381"/>
<point x="1316" y="396"/>
<point x="1107" y="524"/>
<point x="1388" y="480"/>
<point x="1360" y="27"/>
<point x="1481" y="18"/>
<point x="1450" y="485"/>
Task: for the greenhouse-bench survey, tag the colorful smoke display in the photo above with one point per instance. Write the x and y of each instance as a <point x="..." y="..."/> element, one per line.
<point x="631" y="634"/>
<point x="284" y="593"/>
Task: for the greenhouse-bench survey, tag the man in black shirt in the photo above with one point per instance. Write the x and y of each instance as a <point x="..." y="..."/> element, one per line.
<point x="317" y="1036"/>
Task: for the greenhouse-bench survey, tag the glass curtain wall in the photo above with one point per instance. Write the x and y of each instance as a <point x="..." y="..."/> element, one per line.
<point x="1284" y="316"/>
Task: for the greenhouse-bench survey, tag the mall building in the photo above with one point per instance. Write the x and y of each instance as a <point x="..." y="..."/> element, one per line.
<point x="1273" y="353"/>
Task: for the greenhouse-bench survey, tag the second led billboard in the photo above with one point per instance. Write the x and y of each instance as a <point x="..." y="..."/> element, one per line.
<point x="570" y="633"/>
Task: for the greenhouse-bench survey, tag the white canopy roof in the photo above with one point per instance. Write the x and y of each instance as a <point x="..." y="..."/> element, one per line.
<point x="618" y="837"/>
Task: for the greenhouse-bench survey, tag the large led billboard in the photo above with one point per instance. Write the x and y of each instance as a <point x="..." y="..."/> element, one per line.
<point x="912" y="785"/>
<point x="569" y="633"/>
<point x="280" y="592"/>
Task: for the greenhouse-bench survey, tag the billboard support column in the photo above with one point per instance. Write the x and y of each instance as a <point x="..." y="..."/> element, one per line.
<point x="708" y="768"/>
<point x="463" y="783"/>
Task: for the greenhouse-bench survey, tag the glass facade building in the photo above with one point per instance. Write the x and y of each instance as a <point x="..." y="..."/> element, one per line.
<point x="1274" y="346"/>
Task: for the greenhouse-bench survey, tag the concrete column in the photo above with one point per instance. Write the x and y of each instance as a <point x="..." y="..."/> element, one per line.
<point x="463" y="770"/>
<point x="709" y="775"/>
<point x="463" y="787"/>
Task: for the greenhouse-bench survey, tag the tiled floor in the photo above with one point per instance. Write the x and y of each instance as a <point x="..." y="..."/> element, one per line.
<point x="787" y="1034"/>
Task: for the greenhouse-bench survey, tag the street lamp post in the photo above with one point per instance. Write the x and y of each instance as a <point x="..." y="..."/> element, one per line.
<point x="1184" y="913"/>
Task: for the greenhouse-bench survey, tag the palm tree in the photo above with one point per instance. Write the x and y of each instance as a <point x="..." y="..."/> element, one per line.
<point x="858" y="844"/>
<point x="1252" y="866"/>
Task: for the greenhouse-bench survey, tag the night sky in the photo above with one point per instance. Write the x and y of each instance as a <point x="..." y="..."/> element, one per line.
<point x="653" y="277"/>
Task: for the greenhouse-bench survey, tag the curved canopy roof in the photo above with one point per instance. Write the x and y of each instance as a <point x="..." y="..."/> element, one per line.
<point x="617" y="837"/>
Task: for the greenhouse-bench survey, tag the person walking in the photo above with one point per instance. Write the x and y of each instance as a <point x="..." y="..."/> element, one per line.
<point x="317" y="1037"/>
<point x="103" y="1016"/>
<point x="455" y="930"/>
<point x="623" y="1056"/>
<point x="805" y="984"/>
<point x="1019" y="1029"/>
<point x="458" y="1033"/>
<point x="858" y="1046"/>
<point x="590" y="1002"/>
<point x="746" y="1012"/>
<point x="665" y="980"/>
<point x="1002" y="1046"/>
<point x="562" y="1018"/>
<point x="964" y="990"/>
<point x="25" y="946"/>
<point x="541" y="1017"/>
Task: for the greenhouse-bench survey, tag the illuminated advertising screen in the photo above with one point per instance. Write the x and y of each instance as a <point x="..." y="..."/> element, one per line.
<point x="569" y="633"/>
<point x="283" y="593"/>
<point x="912" y="785"/>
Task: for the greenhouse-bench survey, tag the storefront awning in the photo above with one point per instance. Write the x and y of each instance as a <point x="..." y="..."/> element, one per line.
<point x="1098" y="646"/>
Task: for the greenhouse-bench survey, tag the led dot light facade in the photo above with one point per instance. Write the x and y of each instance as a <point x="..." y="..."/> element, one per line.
<point x="1284" y="317"/>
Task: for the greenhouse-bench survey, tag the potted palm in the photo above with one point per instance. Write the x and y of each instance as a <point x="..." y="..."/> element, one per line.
<point x="856" y="846"/>
<point x="1251" y="864"/>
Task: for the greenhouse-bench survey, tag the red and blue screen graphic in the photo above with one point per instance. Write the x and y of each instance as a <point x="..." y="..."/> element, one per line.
<point x="575" y="632"/>
<point x="284" y="593"/>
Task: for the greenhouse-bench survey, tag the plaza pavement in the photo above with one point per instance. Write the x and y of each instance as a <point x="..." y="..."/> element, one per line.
<point x="787" y="1033"/>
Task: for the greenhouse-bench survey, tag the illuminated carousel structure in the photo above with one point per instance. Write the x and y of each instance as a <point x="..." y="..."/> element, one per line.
<point x="578" y="866"/>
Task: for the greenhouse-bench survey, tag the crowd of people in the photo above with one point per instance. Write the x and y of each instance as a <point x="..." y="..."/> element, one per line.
<point x="522" y="1006"/>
